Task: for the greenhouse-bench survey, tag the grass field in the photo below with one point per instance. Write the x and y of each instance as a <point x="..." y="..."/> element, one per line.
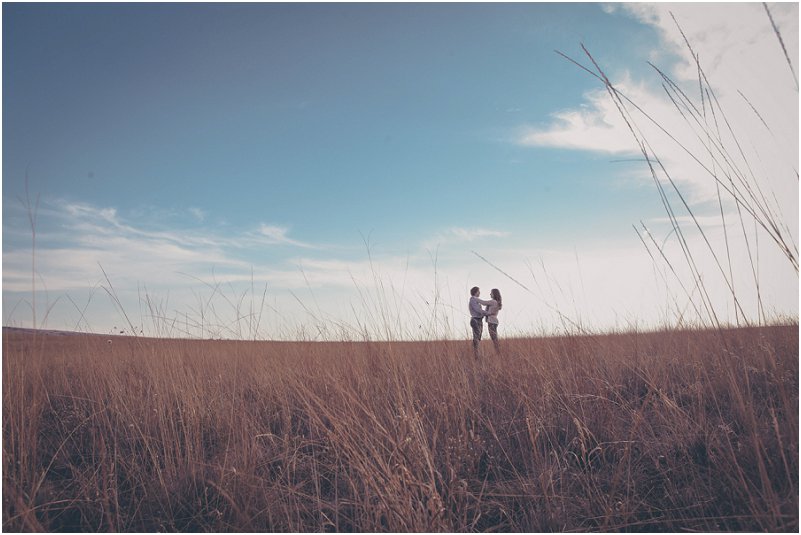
<point x="674" y="430"/>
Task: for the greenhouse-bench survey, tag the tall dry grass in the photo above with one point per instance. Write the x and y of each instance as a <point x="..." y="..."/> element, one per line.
<point x="674" y="430"/>
<point x="708" y="139"/>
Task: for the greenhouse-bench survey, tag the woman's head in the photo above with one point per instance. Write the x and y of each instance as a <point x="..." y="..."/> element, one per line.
<point x="495" y="294"/>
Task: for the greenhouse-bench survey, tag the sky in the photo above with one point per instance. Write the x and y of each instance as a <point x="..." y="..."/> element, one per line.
<point x="349" y="171"/>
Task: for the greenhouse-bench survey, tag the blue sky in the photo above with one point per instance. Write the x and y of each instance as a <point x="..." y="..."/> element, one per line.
<point x="328" y="150"/>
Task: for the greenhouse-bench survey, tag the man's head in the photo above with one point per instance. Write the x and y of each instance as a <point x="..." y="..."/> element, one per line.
<point x="474" y="291"/>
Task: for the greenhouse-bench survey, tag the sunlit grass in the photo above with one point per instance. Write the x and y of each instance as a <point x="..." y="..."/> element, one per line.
<point x="670" y="431"/>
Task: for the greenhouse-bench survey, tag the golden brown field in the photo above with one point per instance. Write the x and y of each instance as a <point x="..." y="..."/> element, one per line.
<point x="674" y="430"/>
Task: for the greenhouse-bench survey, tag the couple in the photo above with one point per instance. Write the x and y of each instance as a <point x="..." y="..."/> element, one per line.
<point x="477" y="314"/>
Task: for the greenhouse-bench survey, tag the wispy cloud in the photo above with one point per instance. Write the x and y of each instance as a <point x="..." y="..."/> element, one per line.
<point x="198" y="214"/>
<point x="455" y="235"/>
<point x="470" y="234"/>
<point x="275" y="234"/>
<point x="76" y="238"/>
<point x="747" y="70"/>
<point x="199" y="272"/>
<point x="596" y="126"/>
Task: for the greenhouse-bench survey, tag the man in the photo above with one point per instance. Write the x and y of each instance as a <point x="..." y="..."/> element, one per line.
<point x="476" y="316"/>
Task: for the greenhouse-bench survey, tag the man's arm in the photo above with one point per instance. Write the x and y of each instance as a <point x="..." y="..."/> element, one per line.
<point x="475" y="308"/>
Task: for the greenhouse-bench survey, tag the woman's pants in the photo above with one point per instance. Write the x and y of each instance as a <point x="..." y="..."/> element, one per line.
<point x="493" y="332"/>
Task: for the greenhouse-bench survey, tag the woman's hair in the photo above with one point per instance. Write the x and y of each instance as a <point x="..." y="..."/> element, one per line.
<point x="495" y="294"/>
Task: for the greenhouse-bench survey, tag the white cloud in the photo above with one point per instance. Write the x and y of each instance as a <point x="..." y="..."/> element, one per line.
<point x="85" y="211"/>
<point x="596" y="126"/>
<point x="275" y="234"/>
<point x="470" y="234"/>
<point x="742" y="60"/>
<point x="76" y="238"/>
<point x="198" y="214"/>
<point x="200" y="275"/>
<point x="457" y="235"/>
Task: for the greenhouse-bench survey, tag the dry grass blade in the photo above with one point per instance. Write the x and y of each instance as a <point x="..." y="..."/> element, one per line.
<point x="781" y="42"/>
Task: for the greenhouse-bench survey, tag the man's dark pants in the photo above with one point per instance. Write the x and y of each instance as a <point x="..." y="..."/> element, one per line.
<point x="478" y="328"/>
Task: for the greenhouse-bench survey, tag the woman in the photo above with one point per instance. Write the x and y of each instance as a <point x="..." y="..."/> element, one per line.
<point x="495" y="305"/>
